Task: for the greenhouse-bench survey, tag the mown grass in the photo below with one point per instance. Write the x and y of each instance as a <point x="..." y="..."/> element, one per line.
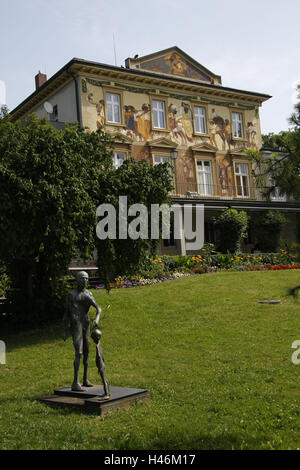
<point x="216" y="363"/>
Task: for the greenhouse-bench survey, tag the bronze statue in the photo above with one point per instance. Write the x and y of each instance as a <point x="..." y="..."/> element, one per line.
<point x="96" y="335"/>
<point x="78" y="302"/>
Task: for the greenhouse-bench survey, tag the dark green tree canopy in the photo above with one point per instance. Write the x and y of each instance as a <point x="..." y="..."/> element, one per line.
<point x="51" y="183"/>
<point x="231" y="227"/>
<point x="142" y="184"/>
<point x="47" y="180"/>
<point x="282" y="168"/>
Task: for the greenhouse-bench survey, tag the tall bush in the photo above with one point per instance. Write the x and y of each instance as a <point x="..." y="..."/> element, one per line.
<point x="268" y="229"/>
<point x="231" y="227"/>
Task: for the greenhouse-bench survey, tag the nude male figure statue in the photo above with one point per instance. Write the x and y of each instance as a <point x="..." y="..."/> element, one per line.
<point x="78" y="302"/>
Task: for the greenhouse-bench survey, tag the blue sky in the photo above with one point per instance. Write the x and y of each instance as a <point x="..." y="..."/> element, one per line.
<point x="253" y="45"/>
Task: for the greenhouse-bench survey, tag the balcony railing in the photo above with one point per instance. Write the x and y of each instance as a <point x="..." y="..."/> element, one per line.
<point x="211" y="191"/>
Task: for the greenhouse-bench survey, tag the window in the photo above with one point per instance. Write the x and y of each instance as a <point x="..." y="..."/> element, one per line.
<point x="161" y="159"/>
<point x="205" y="182"/>
<point x="276" y="195"/>
<point x="242" y="179"/>
<point x="54" y="114"/>
<point x="237" y="125"/>
<point x="118" y="159"/>
<point x="200" y="120"/>
<point x="113" y="108"/>
<point x="158" y="114"/>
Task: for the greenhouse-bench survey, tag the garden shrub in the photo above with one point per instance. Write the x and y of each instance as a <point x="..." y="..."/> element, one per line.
<point x="231" y="227"/>
<point x="268" y="228"/>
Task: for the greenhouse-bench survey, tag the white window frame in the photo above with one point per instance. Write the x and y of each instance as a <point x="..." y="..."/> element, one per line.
<point x="240" y="175"/>
<point x="205" y="178"/>
<point x="117" y="161"/>
<point x="159" y="114"/>
<point x="113" y="108"/>
<point x="200" y="119"/>
<point x="277" y="195"/>
<point x="237" y="125"/>
<point x="161" y="159"/>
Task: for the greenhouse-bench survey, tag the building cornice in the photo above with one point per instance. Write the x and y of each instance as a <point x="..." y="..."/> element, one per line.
<point x="139" y="77"/>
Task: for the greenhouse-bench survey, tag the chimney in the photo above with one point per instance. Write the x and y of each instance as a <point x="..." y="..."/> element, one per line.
<point x="40" y="79"/>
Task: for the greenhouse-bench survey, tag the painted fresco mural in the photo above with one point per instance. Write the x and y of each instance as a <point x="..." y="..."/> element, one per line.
<point x="180" y="123"/>
<point x="137" y="120"/>
<point x="174" y="64"/>
<point x="141" y="153"/>
<point x="179" y="115"/>
<point x="219" y="128"/>
<point x="225" y="175"/>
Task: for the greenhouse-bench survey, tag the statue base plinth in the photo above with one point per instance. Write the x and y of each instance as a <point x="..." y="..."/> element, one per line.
<point x="93" y="400"/>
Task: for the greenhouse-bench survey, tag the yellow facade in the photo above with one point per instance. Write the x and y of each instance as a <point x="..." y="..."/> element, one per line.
<point x="215" y="143"/>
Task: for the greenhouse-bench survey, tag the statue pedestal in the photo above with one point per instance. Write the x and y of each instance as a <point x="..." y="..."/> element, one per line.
<point x="92" y="398"/>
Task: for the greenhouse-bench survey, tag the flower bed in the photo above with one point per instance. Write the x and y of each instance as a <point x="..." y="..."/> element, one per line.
<point x="281" y="267"/>
<point x="167" y="268"/>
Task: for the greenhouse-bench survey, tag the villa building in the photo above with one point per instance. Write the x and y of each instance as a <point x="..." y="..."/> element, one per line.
<point x="169" y="108"/>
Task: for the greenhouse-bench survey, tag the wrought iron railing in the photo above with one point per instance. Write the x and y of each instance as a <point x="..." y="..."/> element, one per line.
<point x="195" y="191"/>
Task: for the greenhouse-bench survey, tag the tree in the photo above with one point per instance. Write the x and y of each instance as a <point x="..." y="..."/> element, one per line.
<point x="231" y="227"/>
<point x="143" y="184"/>
<point x="51" y="182"/>
<point x="47" y="215"/>
<point x="268" y="227"/>
<point x="282" y="169"/>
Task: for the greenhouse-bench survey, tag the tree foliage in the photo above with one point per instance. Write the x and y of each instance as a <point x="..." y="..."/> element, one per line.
<point x="231" y="227"/>
<point x="142" y="184"/>
<point x="282" y="169"/>
<point x="47" y="216"/>
<point x="51" y="182"/>
<point x="268" y="227"/>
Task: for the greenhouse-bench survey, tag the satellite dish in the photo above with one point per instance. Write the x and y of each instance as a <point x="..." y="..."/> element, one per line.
<point x="48" y="107"/>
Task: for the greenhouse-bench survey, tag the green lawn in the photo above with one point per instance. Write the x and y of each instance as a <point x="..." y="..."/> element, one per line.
<point x="216" y="363"/>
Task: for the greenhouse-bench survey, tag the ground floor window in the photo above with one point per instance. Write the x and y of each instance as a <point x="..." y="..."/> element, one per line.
<point x="242" y="179"/>
<point x="205" y="181"/>
<point x="118" y="159"/>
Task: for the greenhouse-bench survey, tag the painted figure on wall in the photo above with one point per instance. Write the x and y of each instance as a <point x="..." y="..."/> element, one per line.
<point x="137" y="122"/>
<point x="174" y="64"/>
<point x="212" y="133"/>
<point x="142" y="155"/>
<point x="172" y="111"/>
<point x="101" y="114"/>
<point x="221" y="127"/>
<point x="177" y="66"/>
<point x="99" y="105"/>
<point x="181" y="129"/>
<point x="130" y="119"/>
<point x="143" y="122"/>
<point x="251" y="134"/>
<point x="224" y="174"/>
<point x="186" y="171"/>
<point x="187" y="120"/>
